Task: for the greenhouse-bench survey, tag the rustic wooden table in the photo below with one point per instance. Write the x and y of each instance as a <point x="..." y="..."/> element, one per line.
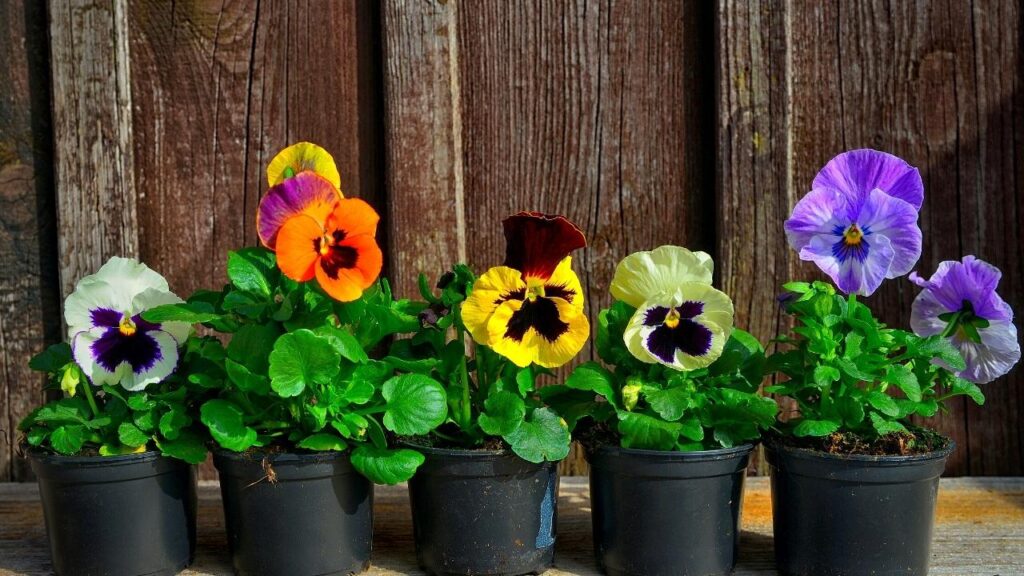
<point x="980" y="531"/>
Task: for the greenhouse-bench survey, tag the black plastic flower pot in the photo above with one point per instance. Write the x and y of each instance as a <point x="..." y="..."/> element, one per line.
<point x="483" y="512"/>
<point x="295" y="514"/>
<point x="117" y="515"/>
<point x="853" y="515"/>
<point x="667" y="513"/>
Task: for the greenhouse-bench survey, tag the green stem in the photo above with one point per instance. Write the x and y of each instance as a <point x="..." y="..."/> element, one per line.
<point x="952" y="326"/>
<point x="90" y="399"/>
<point x="371" y="410"/>
<point x="466" y="416"/>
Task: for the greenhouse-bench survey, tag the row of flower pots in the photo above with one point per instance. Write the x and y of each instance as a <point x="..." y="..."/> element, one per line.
<point x="490" y="512"/>
<point x="311" y="382"/>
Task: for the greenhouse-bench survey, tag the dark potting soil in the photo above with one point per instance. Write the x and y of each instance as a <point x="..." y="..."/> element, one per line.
<point x="913" y="442"/>
<point x="593" y="435"/>
<point x="434" y="441"/>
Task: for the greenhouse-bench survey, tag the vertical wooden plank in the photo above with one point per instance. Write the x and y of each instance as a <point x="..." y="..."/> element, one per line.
<point x="29" y="312"/>
<point x="592" y="110"/>
<point x="912" y="78"/>
<point x="426" y="216"/>
<point x="218" y="88"/>
<point x="92" y="126"/>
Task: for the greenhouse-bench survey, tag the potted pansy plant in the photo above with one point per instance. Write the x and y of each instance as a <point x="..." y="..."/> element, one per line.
<point x="484" y="502"/>
<point x="113" y="456"/>
<point x="676" y="417"/>
<point x="854" y="481"/>
<point x="301" y="412"/>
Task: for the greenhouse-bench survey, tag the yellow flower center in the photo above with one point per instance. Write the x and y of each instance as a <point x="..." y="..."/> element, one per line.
<point x="534" y="289"/>
<point x="672" y="318"/>
<point x="325" y="244"/>
<point x="127" y="327"/>
<point x="853" y="235"/>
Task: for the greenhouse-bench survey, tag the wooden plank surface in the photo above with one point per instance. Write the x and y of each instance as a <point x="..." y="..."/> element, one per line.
<point x="979" y="531"/>
<point x="29" y="312"/>
<point x="936" y="83"/>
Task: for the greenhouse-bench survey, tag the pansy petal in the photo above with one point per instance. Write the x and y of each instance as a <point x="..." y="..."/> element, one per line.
<point x="852" y="275"/>
<point x="548" y="332"/>
<point x="695" y="339"/>
<point x="883" y="215"/>
<point x="297" y="247"/>
<point x="302" y="157"/>
<point x="642" y="275"/>
<point x="350" y="267"/>
<point x="152" y="298"/>
<point x="973" y="280"/>
<point x="859" y="171"/>
<point x="354" y="217"/>
<point x="161" y="368"/>
<point x="132" y="362"/>
<point x="565" y="284"/>
<point x="994" y="356"/>
<point x="820" y="211"/>
<point x="536" y="243"/>
<point x="717" y="306"/>
<point x="113" y="287"/>
<point x="306" y="193"/>
<point x="490" y="290"/>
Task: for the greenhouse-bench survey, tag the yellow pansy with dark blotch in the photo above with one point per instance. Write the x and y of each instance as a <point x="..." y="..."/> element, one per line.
<point x="530" y="310"/>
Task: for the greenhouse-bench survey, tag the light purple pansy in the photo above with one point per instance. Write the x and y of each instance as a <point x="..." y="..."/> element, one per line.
<point x="109" y="339"/>
<point x="859" y="222"/>
<point x="960" y="300"/>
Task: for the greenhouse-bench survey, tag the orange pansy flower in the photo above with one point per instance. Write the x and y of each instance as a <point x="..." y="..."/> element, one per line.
<point x="339" y="250"/>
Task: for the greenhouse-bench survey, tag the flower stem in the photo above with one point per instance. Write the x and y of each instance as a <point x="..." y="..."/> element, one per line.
<point x="91" y="399"/>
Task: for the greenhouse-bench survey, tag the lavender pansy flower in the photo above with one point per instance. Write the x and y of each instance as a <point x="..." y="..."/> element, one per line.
<point x="110" y="340"/>
<point x="859" y="222"/>
<point x="960" y="301"/>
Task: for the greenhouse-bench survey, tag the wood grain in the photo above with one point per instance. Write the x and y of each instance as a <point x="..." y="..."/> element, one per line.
<point x="426" y="212"/>
<point x="29" y="312"/>
<point x="92" y="132"/>
<point x="979" y="531"/>
<point x="929" y="81"/>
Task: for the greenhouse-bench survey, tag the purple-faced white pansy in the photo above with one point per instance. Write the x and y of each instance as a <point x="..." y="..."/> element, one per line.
<point x="111" y="342"/>
<point x="681" y="321"/>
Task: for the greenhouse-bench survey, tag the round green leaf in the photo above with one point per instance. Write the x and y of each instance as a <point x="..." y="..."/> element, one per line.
<point x="504" y="413"/>
<point x="188" y="446"/>
<point x="595" y="378"/>
<point x="383" y="466"/>
<point x="815" y="428"/>
<point x="544" y="436"/>
<point x="68" y="439"/>
<point x="647" y="432"/>
<point x="130" y="435"/>
<point x="416" y="404"/>
<point x="302" y="359"/>
<point x="323" y="442"/>
<point x="224" y="420"/>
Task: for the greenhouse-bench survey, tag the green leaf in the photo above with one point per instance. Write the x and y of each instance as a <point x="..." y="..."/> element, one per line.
<point x="525" y="380"/>
<point x="883" y="426"/>
<point x="943" y="349"/>
<point x="647" y="432"/>
<point x="796" y="287"/>
<point x="883" y="403"/>
<point x="966" y="387"/>
<point x="671" y="403"/>
<point x="188" y="446"/>
<point x="825" y="375"/>
<point x="504" y="412"/>
<point x="416" y="404"/>
<point x="542" y="437"/>
<point x="692" y="429"/>
<point x="815" y="427"/>
<point x="252" y="344"/>
<point x="253" y="270"/>
<point x="595" y="378"/>
<point x="302" y="359"/>
<point x="52" y="359"/>
<point x="173" y="421"/>
<point x="224" y="419"/>
<point x="383" y="466"/>
<point x="344" y="342"/>
<point x="245" y="380"/>
<point x="130" y="435"/>
<point x="323" y="442"/>
<point x="140" y="402"/>
<point x="851" y="410"/>
<point x="192" y="313"/>
<point x="68" y="439"/>
<point x="903" y="378"/>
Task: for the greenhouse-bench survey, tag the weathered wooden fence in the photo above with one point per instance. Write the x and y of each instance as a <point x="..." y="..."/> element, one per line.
<point x="142" y="127"/>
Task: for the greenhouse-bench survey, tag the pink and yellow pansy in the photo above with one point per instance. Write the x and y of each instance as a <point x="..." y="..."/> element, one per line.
<point x="316" y="231"/>
<point x="531" y="309"/>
